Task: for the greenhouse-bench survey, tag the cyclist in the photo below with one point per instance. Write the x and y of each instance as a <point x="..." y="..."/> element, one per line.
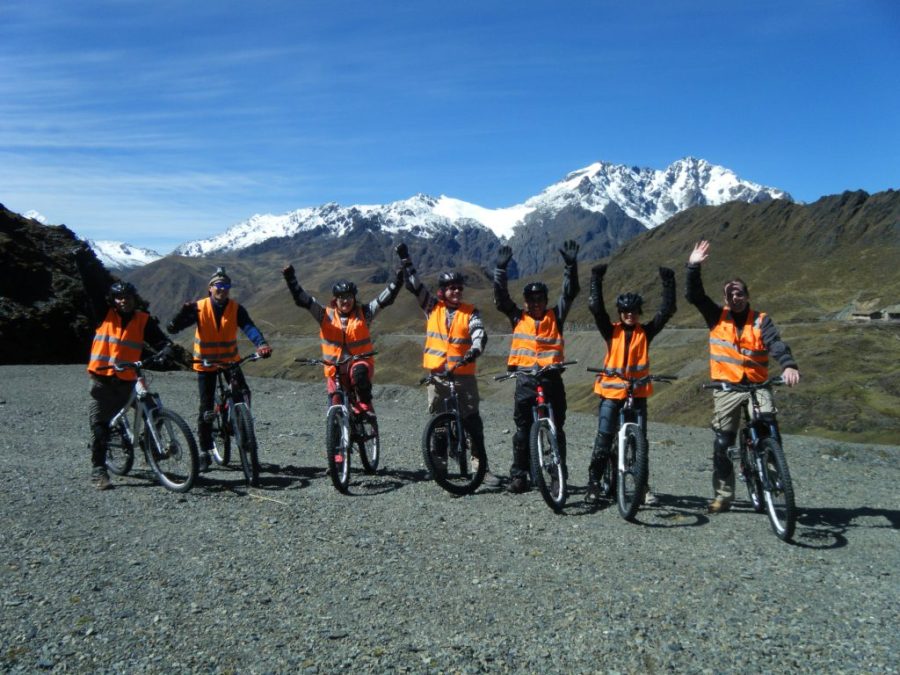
<point x="119" y="337"/>
<point x="344" y="328"/>
<point x="537" y="341"/>
<point x="217" y="318"/>
<point x="741" y="341"/>
<point x="627" y="353"/>
<point x="455" y="337"/>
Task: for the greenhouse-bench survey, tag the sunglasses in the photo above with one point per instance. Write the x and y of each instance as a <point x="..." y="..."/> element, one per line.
<point x="454" y="287"/>
<point x="221" y="286"/>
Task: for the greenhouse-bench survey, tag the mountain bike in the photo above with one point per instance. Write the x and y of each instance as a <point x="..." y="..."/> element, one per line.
<point x="165" y="438"/>
<point x="629" y="452"/>
<point x="347" y="425"/>
<point x="231" y="417"/>
<point x="447" y="448"/>
<point x="547" y="470"/>
<point x="763" y="465"/>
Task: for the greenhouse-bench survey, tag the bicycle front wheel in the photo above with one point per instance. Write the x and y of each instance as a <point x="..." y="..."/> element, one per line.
<point x="546" y="467"/>
<point x="778" y="491"/>
<point x="174" y="460"/>
<point x="632" y="478"/>
<point x="221" y="450"/>
<point x="368" y="442"/>
<point x="336" y="447"/>
<point x="119" y="450"/>
<point x="751" y="480"/>
<point x="450" y="457"/>
<point x="246" y="442"/>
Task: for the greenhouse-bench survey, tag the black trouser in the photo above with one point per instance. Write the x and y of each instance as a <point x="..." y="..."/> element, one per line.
<point x="607" y="427"/>
<point x="206" y="384"/>
<point x="108" y="395"/>
<point x="525" y="398"/>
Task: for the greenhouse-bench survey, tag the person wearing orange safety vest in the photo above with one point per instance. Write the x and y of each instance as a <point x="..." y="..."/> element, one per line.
<point x="537" y="341"/>
<point x="217" y="318"/>
<point x="627" y="353"/>
<point x="344" y="329"/>
<point x="454" y="339"/>
<point x="120" y="337"/>
<point x="741" y="343"/>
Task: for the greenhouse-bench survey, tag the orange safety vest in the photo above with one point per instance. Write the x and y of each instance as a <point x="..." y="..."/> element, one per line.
<point x="336" y="340"/>
<point x="215" y="342"/>
<point x="733" y="357"/>
<point x="113" y="344"/>
<point x="637" y="357"/>
<point x="536" y="342"/>
<point x="445" y="348"/>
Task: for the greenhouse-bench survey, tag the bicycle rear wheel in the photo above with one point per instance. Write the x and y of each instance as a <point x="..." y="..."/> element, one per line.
<point x="367" y="441"/>
<point x="119" y="450"/>
<point x="246" y="442"/>
<point x="337" y="449"/>
<point x="546" y="467"/>
<point x="449" y="455"/>
<point x="632" y="479"/>
<point x="778" y="491"/>
<point x="174" y="460"/>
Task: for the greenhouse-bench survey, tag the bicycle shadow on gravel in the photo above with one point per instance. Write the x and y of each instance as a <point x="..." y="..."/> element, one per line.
<point x="670" y="511"/>
<point x="827" y="528"/>
<point x="383" y="481"/>
<point x="271" y="477"/>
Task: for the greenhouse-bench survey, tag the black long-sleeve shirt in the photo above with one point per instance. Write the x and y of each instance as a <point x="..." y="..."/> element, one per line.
<point x="651" y="328"/>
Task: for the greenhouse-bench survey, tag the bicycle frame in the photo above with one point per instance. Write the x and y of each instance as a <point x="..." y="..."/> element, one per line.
<point x="145" y="405"/>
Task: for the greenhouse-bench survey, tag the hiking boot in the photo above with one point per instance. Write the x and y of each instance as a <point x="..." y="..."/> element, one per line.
<point x="592" y="494"/>
<point x="100" y="478"/>
<point x="650" y="499"/>
<point x="719" y="505"/>
<point x="518" y="485"/>
<point x="490" y="480"/>
<point x="203" y="462"/>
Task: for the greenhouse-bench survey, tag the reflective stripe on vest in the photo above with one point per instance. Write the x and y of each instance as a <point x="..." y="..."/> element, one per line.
<point x="445" y="349"/>
<point x="337" y="342"/>
<point x="112" y="344"/>
<point x="638" y="364"/>
<point x="733" y="357"/>
<point x="215" y="342"/>
<point x="536" y="342"/>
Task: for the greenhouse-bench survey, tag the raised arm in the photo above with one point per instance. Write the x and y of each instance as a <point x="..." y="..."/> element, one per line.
<point x="301" y="297"/>
<point x="502" y="301"/>
<point x="385" y="298"/>
<point x="693" y="287"/>
<point x="571" y="286"/>
<point x="667" y="304"/>
<point x="596" y="304"/>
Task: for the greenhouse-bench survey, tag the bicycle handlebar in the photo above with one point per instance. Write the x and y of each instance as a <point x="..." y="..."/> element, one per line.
<point x="742" y="386"/>
<point x="636" y="381"/>
<point x="535" y="371"/>
<point x="340" y="362"/>
<point x="225" y="365"/>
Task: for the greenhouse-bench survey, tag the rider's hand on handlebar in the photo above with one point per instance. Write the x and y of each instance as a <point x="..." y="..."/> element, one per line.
<point x="265" y="351"/>
<point x="471" y="355"/>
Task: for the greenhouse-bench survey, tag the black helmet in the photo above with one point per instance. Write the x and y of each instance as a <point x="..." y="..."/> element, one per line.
<point x="343" y="286"/>
<point x="448" y="278"/>
<point x="120" y="288"/>
<point x="630" y="302"/>
<point x="535" y="288"/>
<point x="220" y="277"/>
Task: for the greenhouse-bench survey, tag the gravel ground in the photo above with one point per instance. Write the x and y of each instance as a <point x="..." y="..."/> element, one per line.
<point x="400" y="576"/>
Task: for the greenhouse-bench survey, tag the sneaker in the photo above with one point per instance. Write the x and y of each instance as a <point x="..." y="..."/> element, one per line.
<point x="100" y="478"/>
<point x="490" y="480"/>
<point x="518" y="485"/>
<point x="719" y="505"/>
<point x="203" y="463"/>
<point x="650" y="499"/>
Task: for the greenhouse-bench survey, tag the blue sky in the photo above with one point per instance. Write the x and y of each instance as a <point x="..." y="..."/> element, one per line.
<point x="156" y="122"/>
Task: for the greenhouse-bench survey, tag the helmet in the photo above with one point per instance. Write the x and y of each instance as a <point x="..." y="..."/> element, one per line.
<point x="535" y="288"/>
<point x="343" y="286"/>
<point x="629" y="302"/>
<point x="448" y="278"/>
<point x="219" y="276"/>
<point x="120" y="288"/>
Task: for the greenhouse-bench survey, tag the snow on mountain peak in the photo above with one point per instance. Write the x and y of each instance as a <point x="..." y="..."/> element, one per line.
<point x="119" y="255"/>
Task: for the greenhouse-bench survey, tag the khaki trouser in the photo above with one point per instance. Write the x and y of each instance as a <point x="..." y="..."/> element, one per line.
<point x="727" y="407"/>
<point x="466" y="392"/>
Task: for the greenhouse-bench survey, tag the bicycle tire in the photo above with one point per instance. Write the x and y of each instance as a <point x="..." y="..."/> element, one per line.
<point x="119" y="450"/>
<point x="546" y="468"/>
<point x="175" y="461"/>
<point x="246" y="442"/>
<point x="221" y="450"/>
<point x="751" y="480"/>
<point x="368" y="442"/>
<point x="450" y="457"/>
<point x="336" y="450"/>
<point x="632" y="479"/>
<point x="778" y="490"/>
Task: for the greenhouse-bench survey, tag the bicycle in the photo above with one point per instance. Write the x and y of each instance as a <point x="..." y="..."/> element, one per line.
<point x="763" y="465"/>
<point x="547" y="470"/>
<point x="447" y="448"/>
<point x="165" y="438"/>
<point x="629" y="452"/>
<point x="347" y="425"/>
<point x="231" y="418"/>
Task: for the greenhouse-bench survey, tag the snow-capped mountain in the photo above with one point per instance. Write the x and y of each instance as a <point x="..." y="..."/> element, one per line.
<point x="649" y="196"/>
<point x="119" y="255"/>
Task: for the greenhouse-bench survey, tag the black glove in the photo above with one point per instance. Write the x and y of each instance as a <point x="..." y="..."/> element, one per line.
<point x="471" y="355"/>
<point x="666" y="274"/>
<point x="402" y="251"/>
<point x="599" y="270"/>
<point x="288" y="272"/>
<point x="170" y="327"/>
<point x="569" y="252"/>
<point x="164" y="354"/>
<point x="504" y="255"/>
